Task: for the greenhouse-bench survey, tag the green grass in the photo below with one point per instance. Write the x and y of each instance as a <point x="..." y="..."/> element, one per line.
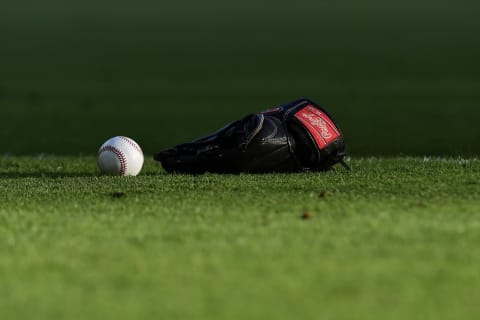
<point x="395" y="238"/>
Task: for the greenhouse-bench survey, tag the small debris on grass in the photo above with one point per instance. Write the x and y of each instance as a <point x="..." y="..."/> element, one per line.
<point x="420" y="204"/>
<point x="118" y="194"/>
<point x="307" y="215"/>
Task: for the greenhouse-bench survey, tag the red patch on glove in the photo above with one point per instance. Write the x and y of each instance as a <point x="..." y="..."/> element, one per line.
<point x="319" y="125"/>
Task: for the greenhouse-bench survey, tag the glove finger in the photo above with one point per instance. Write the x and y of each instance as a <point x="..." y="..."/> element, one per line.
<point x="165" y="154"/>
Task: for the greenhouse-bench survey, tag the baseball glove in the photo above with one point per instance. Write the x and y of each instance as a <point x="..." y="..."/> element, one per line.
<point x="298" y="136"/>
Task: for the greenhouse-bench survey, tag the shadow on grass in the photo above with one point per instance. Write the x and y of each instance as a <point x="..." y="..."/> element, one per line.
<point x="50" y="175"/>
<point x="60" y="175"/>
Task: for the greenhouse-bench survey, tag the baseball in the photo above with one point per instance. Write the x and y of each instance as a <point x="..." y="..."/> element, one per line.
<point x="120" y="156"/>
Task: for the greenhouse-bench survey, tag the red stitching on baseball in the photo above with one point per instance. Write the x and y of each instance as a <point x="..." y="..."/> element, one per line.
<point x="120" y="155"/>
<point x="132" y="143"/>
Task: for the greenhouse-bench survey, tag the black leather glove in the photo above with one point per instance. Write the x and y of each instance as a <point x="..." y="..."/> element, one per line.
<point x="298" y="136"/>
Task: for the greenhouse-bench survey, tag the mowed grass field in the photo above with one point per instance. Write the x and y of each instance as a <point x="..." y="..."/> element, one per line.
<point x="392" y="239"/>
<point x="396" y="237"/>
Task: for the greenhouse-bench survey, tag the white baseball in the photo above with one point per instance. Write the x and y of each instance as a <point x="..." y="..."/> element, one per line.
<point x="120" y="156"/>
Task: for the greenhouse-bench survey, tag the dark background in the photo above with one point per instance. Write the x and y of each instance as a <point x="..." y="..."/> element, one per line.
<point x="401" y="77"/>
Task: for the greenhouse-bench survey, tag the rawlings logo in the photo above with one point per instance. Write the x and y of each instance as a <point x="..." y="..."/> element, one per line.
<point x="320" y="126"/>
<point x="318" y="122"/>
